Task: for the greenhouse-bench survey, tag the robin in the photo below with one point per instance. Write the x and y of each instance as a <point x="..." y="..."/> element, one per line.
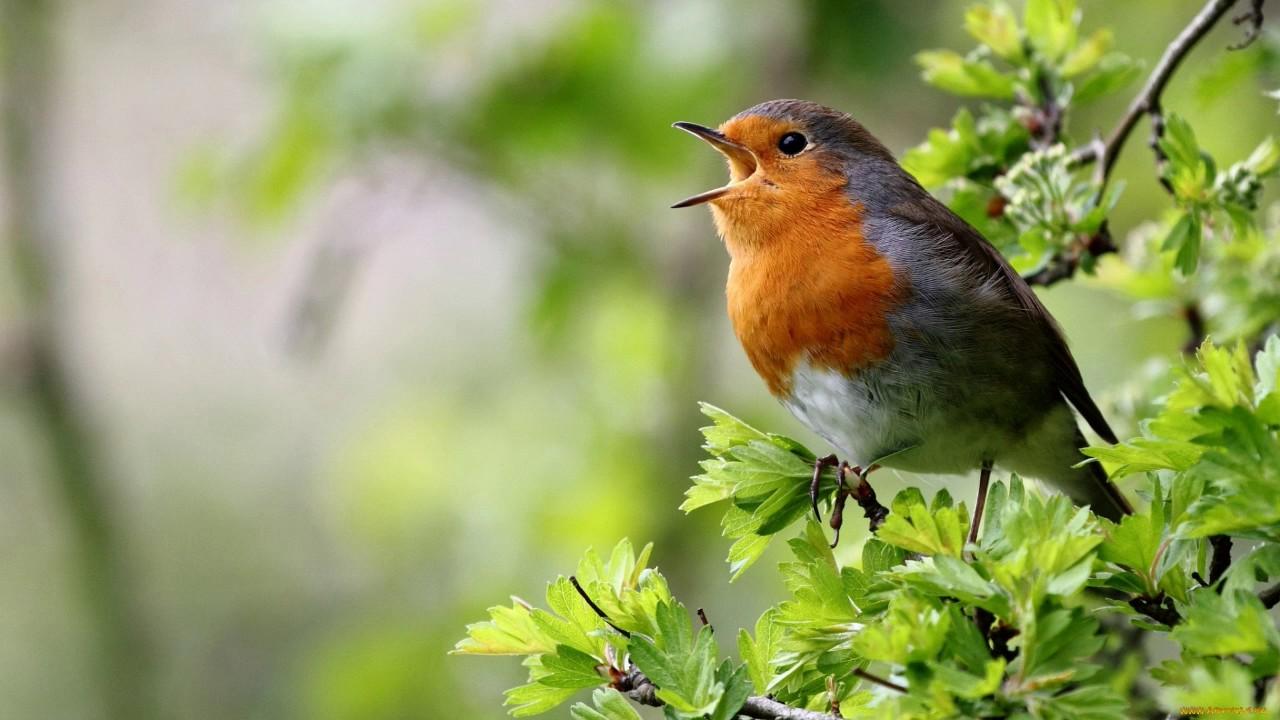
<point x="884" y="322"/>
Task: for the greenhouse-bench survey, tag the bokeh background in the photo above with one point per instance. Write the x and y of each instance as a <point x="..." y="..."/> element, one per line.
<point x="372" y="314"/>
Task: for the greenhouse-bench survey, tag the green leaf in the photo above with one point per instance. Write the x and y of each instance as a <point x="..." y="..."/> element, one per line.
<point x="1223" y="624"/>
<point x="609" y="705"/>
<point x="914" y="629"/>
<point x="509" y="631"/>
<point x="1179" y="142"/>
<point x="1087" y="54"/>
<point x="683" y="667"/>
<point x="569" y="668"/>
<point x="995" y="26"/>
<point x="970" y="76"/>
<point x="945" y="576"/>
<point x="1054" y="645"/>
<point x="536" y="698"/>
<point x="967" y="685"/>
<point x="758" y="654"/>
<point x="1091" y="702"/>
<point x="1114" y="72"/>
<point x="914" y="527"/>
<point x="1051" y="26"/>
<point x="767" y="478"/>
<point x="1214" y="684"/>
<point x="1136" y="542"/>
<point x="879" y="556"/>
<point x="1184" y="238"/>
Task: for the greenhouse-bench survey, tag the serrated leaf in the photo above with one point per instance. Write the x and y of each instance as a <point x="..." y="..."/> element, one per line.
<point x="970" y="76"/>
<point x="509" y="631"/>
<point x="912" y="526"/>
<point x="995" y="25"/>
<point x="536" y="698"/>
<point x="1223" y="624"/>
<point x="1087" y="54"/>
<point x="1051" y="26"/>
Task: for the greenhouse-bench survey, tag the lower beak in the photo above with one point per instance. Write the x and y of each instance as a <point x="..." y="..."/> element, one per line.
<point x="743" y="161"/>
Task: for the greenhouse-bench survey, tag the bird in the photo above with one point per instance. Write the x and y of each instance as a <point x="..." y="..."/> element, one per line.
<point x="883" y="321"/>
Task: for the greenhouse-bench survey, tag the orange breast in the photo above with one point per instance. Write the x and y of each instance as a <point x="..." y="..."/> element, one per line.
<point x="809" y="288"/>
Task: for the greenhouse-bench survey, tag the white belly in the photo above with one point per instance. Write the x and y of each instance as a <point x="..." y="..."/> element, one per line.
<point x="876" y="418"/>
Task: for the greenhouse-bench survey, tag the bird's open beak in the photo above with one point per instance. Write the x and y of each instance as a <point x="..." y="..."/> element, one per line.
<point x="742" y="162"/>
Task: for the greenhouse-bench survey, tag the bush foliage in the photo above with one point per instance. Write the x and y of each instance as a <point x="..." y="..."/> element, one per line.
<point x="1052" y="612"/>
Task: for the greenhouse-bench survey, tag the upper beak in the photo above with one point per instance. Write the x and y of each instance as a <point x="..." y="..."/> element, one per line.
<point x="743" y="160"/>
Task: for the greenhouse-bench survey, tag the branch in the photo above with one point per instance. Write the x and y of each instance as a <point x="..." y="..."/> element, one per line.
<point x="763" y="708"/>
<point x="879" y="680"/>
<point x="1148" y="99"/>
<point x="1064" y="266"/>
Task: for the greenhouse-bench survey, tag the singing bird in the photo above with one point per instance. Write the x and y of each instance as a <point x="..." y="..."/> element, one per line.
<point x="882" y="320"/>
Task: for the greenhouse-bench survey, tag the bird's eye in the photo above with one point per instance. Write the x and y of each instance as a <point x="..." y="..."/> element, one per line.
<point x="792" y="143"/>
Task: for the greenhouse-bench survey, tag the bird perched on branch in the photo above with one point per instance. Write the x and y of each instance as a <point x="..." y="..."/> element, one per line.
<point x="883" y="321"/>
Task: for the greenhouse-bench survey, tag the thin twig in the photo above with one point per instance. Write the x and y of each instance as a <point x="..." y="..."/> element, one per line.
<point x="882" y="682"/>
<point x="1148" y="98"/>
<point x="573" y="580"/>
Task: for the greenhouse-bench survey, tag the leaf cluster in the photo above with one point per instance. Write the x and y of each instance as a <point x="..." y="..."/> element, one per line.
<point x="1000" y="169"/>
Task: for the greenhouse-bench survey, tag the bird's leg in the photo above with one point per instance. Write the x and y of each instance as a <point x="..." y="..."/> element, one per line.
<point x="819" y="465"/>
<point x="984" y="479"/>
<point x="842" y="496"/>
<point x="865" y="495"/>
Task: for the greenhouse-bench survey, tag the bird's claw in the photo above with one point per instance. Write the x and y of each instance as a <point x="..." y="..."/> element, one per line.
<point x="875" y="512"/>
<point x="819" y="465"/>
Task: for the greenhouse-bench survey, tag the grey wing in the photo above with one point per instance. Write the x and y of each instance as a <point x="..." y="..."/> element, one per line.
<point x="971" y="253"/>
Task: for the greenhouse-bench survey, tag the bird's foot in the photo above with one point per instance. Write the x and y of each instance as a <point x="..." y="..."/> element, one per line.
<point x="862" y="493"/>
<point x="819" y="465"/>
<point x="984" y="479"/>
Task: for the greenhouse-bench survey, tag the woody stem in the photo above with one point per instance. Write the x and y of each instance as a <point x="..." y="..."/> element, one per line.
<point x="1148" y="99"/>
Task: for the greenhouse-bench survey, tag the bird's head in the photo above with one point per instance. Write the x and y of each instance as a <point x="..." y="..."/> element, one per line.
<point x="788" y="159"/>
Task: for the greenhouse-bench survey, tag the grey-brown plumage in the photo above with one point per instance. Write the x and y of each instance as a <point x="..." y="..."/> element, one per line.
<point x="975" y="369"/>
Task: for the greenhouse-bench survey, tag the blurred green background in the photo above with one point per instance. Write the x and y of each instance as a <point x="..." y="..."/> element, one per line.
<point x="374" y="313"/>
